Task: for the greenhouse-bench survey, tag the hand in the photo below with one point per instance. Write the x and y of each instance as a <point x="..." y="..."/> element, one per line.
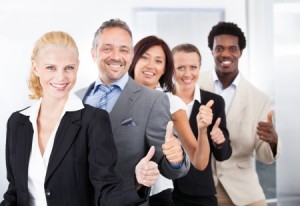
<point x="205" y="115"/>
<point x="172" y="146"/>
<point x="216" y="134"/>
<point x="146" y="171"/>
<point x="266" y="131"/>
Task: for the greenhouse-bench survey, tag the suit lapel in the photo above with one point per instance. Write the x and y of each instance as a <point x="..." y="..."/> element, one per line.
<point x="239" y="101"/>
<point x="65" y="136"/>
<point x="193" y="118"/>
<point x="124" y="103"/>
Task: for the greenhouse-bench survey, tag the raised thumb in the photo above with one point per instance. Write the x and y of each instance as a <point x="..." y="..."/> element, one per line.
<point x="169" y="130"/>
<point x="150" y="154"/>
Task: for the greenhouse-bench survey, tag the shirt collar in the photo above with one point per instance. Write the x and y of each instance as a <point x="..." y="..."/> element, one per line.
<point x="73" y="104"/>
<point x="197" y="95"/>
<point x="119" y="83"/>
<point x="235" y="82"/>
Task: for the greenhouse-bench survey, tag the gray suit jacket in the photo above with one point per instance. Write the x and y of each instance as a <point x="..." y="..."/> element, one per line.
<point x="139" y="120"/>
<point x="237" y="174"/>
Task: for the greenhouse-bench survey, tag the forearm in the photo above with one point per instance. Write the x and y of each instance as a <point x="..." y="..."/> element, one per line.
<point x="202" y="152"/>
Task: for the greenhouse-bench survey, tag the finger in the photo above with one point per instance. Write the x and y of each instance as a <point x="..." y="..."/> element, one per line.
<point x="169" y="130"/>
<point x="210" y="103"/>
<point x="150" y="154"/>
<point x="270" y="117"/>
<point x="217" y="123"/>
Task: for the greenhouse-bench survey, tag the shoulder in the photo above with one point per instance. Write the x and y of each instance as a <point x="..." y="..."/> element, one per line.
<point x="16" y="117"/>
<point x="251" y="90"/>
<point x="91" y="111"/>
<point x="82" y="92"/>
<point x="145" y="91"/>
<point x="206" y="96"/>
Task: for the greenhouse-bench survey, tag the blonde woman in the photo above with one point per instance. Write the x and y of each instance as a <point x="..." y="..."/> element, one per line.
<point x="60" y="151"/>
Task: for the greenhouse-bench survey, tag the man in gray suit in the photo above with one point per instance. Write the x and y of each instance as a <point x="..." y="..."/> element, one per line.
<point x="138" y="115"/>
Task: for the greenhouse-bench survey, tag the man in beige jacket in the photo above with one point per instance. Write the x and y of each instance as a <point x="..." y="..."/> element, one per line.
<point x="249" y="120"/>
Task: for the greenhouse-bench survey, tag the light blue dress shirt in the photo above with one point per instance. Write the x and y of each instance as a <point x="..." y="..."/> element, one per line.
<point x="93" y="97"/>
<point x="227" y="93"/>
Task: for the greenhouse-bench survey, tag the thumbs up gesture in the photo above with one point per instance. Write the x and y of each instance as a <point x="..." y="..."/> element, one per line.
<point x="266" y="130"/>
<point x="172" y="146"/>
<point x="216" y="133"/>
<point x="146" y="171"/>
<point x="205" y="115"/>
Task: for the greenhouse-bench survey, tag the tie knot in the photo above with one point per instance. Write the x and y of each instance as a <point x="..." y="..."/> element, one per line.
<point x="105" y="89"/>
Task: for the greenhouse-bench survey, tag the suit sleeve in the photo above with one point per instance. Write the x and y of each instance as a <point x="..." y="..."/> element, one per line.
<point x="155" y="133"/>
<point x="102" y="157"/>
<point x="10" y="196"/>
<point x="223" y="152"/>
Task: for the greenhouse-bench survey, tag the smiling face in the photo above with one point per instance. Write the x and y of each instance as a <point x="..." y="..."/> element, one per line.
<point x="56" y="67"/>
<point x="226" y="53"/>
<point x="113" y="54"/>
<point x="187" y="67"/>
<point x="150" y="67"/>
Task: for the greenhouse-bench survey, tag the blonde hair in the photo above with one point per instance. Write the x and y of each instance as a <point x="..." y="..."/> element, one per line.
<point x="58" y="38"/>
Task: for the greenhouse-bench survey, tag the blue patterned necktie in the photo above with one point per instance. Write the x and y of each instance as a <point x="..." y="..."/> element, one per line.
<point x="104" y="91"/>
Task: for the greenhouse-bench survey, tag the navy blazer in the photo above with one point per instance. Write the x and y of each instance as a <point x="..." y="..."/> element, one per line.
<point x="200" y="183"/>
<point x="81" y="166"/>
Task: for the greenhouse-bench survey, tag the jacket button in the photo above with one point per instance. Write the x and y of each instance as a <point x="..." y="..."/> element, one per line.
<point x="48" y="192"/>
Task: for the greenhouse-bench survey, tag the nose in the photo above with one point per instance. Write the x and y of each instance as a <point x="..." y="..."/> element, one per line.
<point x="150" y="63"/>
<point x="187" y="72"/>
<point x="115" y="54"/>
<point x="226" y="53"/>
<point x="60" y="75"/>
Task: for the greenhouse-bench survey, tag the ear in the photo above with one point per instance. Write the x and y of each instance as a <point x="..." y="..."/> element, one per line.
<point x="94" y="53"/>
<point x="34" y="68"/>
<point x="241" y="53"/>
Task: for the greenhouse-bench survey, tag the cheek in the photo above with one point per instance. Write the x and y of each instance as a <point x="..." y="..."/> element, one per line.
<point x="160" y="72"/>
<point x="139" y="67"/>
<point x="196" y="75"/>
<point x="176" y="75"/>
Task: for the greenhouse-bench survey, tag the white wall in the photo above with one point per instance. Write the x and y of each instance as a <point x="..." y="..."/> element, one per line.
<point x="22" y="22"/>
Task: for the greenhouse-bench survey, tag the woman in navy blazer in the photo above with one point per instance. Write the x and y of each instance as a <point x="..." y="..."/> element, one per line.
<point x="60" y="151"/>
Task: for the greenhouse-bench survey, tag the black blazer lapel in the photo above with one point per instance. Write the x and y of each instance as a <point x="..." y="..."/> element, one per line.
<point x="65" y="136"/>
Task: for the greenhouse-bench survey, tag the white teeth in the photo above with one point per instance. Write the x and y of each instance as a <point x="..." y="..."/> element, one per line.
<point x="59" y="85"/>
<point x="149" y="73"/>
<point x="116" y="65"/>
<point x="226" y="62"/>
<point x="187" y="80"/>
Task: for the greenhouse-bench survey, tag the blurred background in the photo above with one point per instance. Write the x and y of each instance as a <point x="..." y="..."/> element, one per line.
<point x="270" y="61"/>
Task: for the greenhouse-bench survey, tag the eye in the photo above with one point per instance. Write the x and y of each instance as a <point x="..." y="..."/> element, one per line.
<point x="219" y="49"/>
<point x="50" y="67"/>
<point x="68" y="68"/>
<point x="145" y="58"/>
<point x="158" y="61"/>
<point x="181" y="68"/>
<point x="106" y="49"/>
<point x="233" y="49"/>
<point x="125" y="51"/>
<point x="194" y="68"/>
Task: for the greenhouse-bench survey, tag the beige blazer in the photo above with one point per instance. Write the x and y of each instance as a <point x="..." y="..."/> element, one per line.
<point x="237" y="174"/>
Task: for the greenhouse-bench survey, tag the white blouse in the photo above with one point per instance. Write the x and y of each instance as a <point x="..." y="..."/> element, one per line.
<point x="38" y="163"/>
